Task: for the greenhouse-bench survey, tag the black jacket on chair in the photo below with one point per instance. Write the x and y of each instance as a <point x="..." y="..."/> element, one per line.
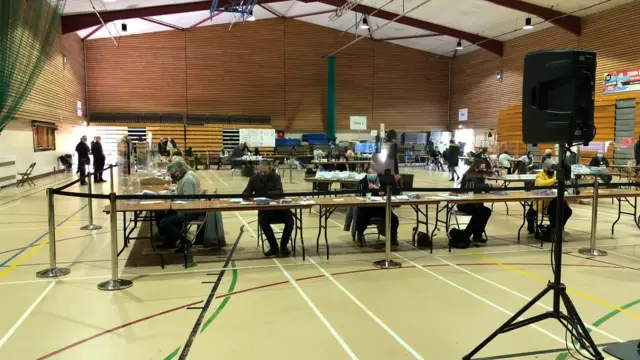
<point x="597" y="162"/>
<point x="269" y="186"/>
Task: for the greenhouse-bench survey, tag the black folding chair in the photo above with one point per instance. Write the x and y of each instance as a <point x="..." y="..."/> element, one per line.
<point x="26" y="176"/>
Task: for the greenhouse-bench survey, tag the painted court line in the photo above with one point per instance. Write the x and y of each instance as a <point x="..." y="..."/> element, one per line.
<point x="39" y="238"/>
<point x="477" y="296"/>
<point x="317" y="312"/>
<point x="624" y="255"/>
<point x="367" y="311"/>
<point x="26" y="314"/>
<point x="218" y="177"/>
<point x="593" y="328"/>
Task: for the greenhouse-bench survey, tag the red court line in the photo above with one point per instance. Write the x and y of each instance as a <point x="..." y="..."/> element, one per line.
<point x="286" y="282"/>
<point x="116" y="328"/>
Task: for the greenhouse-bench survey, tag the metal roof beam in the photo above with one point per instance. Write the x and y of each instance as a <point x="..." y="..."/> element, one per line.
<point x="163" y="23"/>
<point x="409" y="37"/>
<point x="491" y="45"/>
<point x="311" y="14"/>
<point x="71" y="23"/>
<point x="568" y="22"/>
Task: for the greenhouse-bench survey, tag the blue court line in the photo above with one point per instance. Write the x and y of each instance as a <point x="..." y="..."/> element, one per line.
<point x="39" y="238"/>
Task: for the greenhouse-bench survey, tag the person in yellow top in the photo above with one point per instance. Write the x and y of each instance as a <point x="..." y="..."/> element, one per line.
<point x="547" y="178"/>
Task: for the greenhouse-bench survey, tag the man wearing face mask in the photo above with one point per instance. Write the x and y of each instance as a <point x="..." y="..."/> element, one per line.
<point x="547" y="178"/>
<point x="170" y="223"/>
<point x="474" y="179"/>
<point x="267" y="184"/>
<point x="600" y="161"/>
<point x="364" y="214"/>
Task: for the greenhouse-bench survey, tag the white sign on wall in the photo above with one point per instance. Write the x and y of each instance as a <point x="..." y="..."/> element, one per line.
<point x="463" y="114"/>
<point x="358" y="122"/>
<point x="258" y="137"/>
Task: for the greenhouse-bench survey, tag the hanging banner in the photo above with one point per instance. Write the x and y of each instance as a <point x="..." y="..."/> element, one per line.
<point x="621" y="81"/>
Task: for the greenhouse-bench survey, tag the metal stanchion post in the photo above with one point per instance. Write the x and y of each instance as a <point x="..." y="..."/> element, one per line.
<point x="52" y="271"/>
<point x="111" y="177"/>
<point x="591" y="250"/>
<point x="387" y="263"/>
<point x="115" y="283"/>
<point x="91" y="225"/>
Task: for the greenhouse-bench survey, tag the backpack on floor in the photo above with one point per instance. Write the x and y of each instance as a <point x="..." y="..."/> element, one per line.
<point x="421" y="239"/>
<point x="458" y="239"/>
<point x="543" y="232"/>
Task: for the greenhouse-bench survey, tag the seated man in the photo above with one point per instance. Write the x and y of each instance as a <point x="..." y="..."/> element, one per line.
<point x="600" y="161"/>
<point x="170" y="223"/>
<point x="266" y="183"/>
<point x="364" y="214"/>
<point x="505" y="161"/>
<point x="474" y="179"/>
<point x="547" y="178"/>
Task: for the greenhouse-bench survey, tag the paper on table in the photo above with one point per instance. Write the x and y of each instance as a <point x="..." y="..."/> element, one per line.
<point x="179" y="202"/>
<point x="400" y="197"/>
<point x="150" y="202"/>
<point x="235" y="201"/>
<point x="307" y="202"/>
<point x="338" y="199"/>
<point x="375" y="198"/>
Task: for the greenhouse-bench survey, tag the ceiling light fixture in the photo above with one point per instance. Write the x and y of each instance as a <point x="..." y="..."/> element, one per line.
<point x="527" y="24"/>
<point x="364" y="24"/>
<point x="459" y="45"/>
<point x="251" y="17"/>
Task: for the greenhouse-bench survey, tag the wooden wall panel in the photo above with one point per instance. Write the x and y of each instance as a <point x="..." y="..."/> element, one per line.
<point x="474" y="86"/>
<point x="145" y="73"/>
<point x="614" y="45"/>
<point x="237" y="72"/>
<point x="58" y="88"/>
<point x="270" y="67"/>
<point x="411" y="88"/>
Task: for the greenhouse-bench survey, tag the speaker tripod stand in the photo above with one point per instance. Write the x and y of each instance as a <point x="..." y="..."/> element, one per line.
<point x="571" y="319"/>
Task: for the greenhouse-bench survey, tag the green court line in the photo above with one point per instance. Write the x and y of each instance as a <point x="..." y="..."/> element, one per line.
<point x="602" y="320"/>
<point x="232" y="287"/>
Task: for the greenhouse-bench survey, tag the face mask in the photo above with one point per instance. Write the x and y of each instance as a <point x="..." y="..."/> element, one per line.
<point x="550" y="173"/>
<point x="372" y="177"/>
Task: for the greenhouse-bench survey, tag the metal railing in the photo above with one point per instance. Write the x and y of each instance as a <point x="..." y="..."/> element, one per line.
<point x="116" y="283"/>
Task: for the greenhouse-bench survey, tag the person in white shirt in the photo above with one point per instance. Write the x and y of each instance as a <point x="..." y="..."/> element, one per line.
<point x="505" y="161"/>
<point x="318" y="154"/>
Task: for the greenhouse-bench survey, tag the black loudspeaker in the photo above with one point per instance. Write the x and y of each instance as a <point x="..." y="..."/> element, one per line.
<point x="557" y="96"/>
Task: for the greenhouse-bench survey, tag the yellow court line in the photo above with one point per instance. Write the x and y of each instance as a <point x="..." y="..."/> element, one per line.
<point x="544" y="281"/>
<point x="30" y="253"/>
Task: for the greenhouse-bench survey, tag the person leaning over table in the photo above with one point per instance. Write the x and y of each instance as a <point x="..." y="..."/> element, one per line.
<point x="266" y="183"/>
<point x="190" y="170"/>
<point x="505" y="161"/>
<point x="364" y="214"/>
<point x="547" y="177"/>
<point x="474" y="179"/>
<point x="170" y="223"/>
<point x="600" y="161"/>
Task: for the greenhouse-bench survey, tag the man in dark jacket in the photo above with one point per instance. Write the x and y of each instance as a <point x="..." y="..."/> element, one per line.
<point x="83" y="159"/>
<point x="267" y="184"/>
<point x="636" y="151"/>
<point x="98" y="159"/>
<point x="600" y="161"/>
<point x="453" y="157"/>
<point x="162" y="147"/>
<point x="364" y="214"/>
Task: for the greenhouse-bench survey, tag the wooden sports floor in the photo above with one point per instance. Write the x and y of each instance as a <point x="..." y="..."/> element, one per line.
<point x="435" y="307"/>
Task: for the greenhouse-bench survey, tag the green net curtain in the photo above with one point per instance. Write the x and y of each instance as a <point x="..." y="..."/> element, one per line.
<point x="28" y="30"/>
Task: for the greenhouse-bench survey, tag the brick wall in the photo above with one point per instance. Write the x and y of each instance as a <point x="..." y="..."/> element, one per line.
<point x="270" y="67"/>
<point x="611" y="34"/>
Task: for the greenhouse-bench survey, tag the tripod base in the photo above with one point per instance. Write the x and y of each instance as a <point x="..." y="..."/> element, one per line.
<point x="53" y="273"/>
<point x="113" y="285"/>
<point x="571" y="321"/>
<point x="629" y="350"/>
<point x="384" y="264"/>
<point x="594" y="252"/>
<point x="91" y="227"/>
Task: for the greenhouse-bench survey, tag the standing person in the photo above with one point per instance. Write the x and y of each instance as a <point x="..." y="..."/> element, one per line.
<point x="505" y="161"/>
<point x="162" y="147"/>
<point x="256" y="152"/>
<point x="636" y="150"/>
<point x="474" y="179"/>
<point x="83" y="159"/>
<point x="267" y="183"/>
<point x="453" y="154"/>
<point x="98" y="160"/>
<point x="547" y="178"/>
<point x="171" y="146"/>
